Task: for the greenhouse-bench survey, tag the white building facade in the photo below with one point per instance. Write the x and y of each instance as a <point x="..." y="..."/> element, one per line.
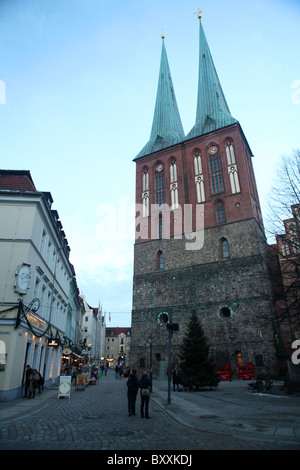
<point x="93" y="332"/>
<point x="38" y="314"/>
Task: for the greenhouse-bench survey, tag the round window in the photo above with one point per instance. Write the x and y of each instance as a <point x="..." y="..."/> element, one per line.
<point x="225" y="312"/>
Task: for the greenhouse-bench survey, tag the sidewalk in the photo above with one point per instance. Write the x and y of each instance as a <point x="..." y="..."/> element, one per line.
<point x="233" y="410"/>
<point x="11" y="410"/>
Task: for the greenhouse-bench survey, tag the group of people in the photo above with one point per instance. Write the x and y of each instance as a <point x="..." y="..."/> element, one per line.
<point x="33" y="382"/>
<point x="133" y="385"/>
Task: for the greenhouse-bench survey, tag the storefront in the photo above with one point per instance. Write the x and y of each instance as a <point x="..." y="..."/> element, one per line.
<point x="26" y="341"/>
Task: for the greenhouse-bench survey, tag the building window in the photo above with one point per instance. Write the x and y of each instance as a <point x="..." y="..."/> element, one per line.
<point x="160" y="260"/>
<point x="36" y="288"/>
<point x="160" y="226"/>
<point x="234" y="179"/>
<point x="146" y="180"/>
<point x="232" y="168"/>
<point x="145" y="193"/>
<point x="225" y="312"/>
<point x="174" y="185"/>
<point x="159" y="185"/>
<point x="199" y="182"/>
<point x="224" y="248"/>
<point x="220" y="213"/>
<point x="43" y="242"/>
<point x="259" y="360"/>
<point x="215" y="170"/>
<point x="230" y="153"/>
<point x="49" y="249"/>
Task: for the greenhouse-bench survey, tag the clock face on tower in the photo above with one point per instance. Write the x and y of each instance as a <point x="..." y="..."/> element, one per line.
<point x="212" y="150"/>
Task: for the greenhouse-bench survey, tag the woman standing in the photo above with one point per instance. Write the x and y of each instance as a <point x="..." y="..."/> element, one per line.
<point x="144" y="385"/>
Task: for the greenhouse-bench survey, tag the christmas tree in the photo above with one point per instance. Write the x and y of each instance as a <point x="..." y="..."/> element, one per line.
<point x="196" y="367"/>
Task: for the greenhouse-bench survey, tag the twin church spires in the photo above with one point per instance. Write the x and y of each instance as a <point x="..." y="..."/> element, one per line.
<point x="212" y="109"/>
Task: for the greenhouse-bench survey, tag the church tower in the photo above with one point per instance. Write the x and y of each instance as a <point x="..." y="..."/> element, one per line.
<point x="200" y="243"/>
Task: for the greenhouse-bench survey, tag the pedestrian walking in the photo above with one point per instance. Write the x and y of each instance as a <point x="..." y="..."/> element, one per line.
<point x="33" y="383"/>
<point x="27" y="375"/>
<point x="117" y="371"/>
<point x="40" y="384"/>
<point x="120" y="371"/>
<point x="144" y="385"/>
<point x="132" y="389"/>
<point x="105" y="370"/>
<point x="176" y="379"/>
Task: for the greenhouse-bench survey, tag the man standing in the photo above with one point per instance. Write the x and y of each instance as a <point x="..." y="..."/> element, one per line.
<point x="132" y="389"/>
<point x="176" y="379"/>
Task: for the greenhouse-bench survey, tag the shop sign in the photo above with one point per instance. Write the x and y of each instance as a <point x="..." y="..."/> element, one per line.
<point x="36" y="321"/>
<point x="64" y="389"/>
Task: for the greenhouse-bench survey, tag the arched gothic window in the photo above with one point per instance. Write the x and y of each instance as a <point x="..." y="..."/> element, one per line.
<point x="220" y="213"/>
<point x="174" y="185"/>
<point x="160" y="225"/>
<point x="232" y="167"/>
<point x="145" y="193"/>
<point x="159" y="185"/>
<point x="160" y="260"/>
<point x="215" y="170"/>
<point x="199" y="178"/>
<point x="224" y="247"/>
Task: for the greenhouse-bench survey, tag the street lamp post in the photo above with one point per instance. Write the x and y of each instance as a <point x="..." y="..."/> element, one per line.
<point x="150" y="342"/>
<point x="169" y="365"/>
<point x="171" y="327"/>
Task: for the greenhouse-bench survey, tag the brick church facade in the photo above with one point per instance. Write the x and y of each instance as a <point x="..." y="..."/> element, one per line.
<point x="200" y="242"/>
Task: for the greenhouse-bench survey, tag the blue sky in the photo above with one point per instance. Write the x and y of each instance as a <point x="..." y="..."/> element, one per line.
<point x="80" y="80"/>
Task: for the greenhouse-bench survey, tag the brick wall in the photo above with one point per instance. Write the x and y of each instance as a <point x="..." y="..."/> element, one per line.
<point x="204" y="282"/>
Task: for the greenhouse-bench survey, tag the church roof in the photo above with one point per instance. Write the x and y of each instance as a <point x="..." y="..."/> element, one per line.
<point x="167" y="128"/>
<point x="212" y="109"/>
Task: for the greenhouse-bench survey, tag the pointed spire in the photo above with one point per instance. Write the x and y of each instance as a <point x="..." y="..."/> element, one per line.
<point x="212" y="109"/>
<point x="167" y="128"/>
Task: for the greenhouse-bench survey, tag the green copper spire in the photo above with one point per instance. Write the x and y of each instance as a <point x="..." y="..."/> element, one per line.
<point x="212" y="109"/>
<point x="167" y="129"/>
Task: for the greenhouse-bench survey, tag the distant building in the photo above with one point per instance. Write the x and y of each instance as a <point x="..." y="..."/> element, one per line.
<point x="287" y="248"/>
<point x="93" y="332"/>
<point x="118" y="346"/>
<point x="40" y="311"/>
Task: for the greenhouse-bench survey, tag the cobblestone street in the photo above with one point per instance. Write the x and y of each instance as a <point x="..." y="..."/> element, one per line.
<point x="97" y="419"/>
